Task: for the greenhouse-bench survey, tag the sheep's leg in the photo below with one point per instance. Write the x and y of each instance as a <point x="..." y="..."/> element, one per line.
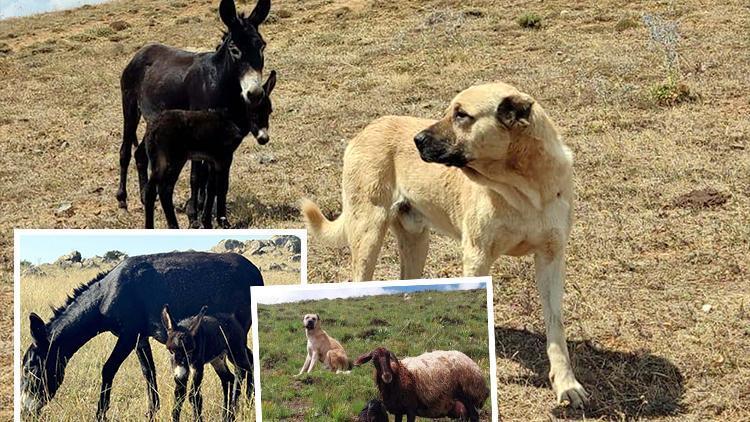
<point x="550" y="274"/>
<point x="313" y="361"/>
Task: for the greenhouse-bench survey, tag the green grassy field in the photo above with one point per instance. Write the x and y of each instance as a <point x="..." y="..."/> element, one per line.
<point x="427" y="321"/>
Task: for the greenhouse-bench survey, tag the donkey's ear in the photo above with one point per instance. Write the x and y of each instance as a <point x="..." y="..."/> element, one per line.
<point x="270" y="83"/>
<point x="228" y="13"/>
<point x="260" y="12"/>
<point x="166" y="319"/>
<point x="38" y="330"/>
<point x="196" y="323"/>
<point x="514" y="111"/>
<point x="363" y="359"/>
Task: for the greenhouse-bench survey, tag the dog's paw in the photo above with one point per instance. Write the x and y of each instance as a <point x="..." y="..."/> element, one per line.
<point x="569" y="389"/>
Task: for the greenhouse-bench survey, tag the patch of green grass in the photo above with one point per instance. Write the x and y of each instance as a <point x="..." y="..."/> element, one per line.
<point x="530" y="20"/>
<point x="626" y="23"/>
<point x="426" y="321"/>
<point x="672" y="92"/>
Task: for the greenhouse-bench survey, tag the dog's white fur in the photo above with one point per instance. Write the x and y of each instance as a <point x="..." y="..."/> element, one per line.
<point x="512" y="196"/>
<point x="322" y="347"/>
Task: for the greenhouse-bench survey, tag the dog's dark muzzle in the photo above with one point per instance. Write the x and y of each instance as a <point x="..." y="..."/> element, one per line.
<point x="310" y="325"/>
<point x="434" y="149"/>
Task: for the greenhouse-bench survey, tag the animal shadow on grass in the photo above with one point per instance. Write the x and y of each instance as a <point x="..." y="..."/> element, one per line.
<point x="621" y="385"/>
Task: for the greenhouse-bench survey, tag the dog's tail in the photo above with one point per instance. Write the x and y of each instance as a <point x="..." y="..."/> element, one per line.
<point x="331" y="232"/>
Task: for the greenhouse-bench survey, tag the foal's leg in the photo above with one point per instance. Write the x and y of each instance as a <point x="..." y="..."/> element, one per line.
<point x="141" y="163"/>
<point x="227" y="382"/>
<point x="197" y="182"/>
<point x="195" y="393"/>
<point x="250" y="380"/>
<point x="222" y="187"/>
<point x="125" y="344"/>
<point x="206" y="218"/>
<point x="166" y="193"/>
<point x="148" y="368"/>
<point x="180" y="391"/>
<point x="131" y="116"/>
<point x="149" y="195"/>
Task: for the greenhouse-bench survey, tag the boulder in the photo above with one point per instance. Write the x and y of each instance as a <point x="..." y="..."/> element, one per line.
<point x="229" y="245"/>
<point x="72" y="256"/>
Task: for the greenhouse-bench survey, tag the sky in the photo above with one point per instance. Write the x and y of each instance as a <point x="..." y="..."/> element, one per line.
<point x="43" y="248"/>
<point x="272" y="294"/>
<point x="12" y="8"/>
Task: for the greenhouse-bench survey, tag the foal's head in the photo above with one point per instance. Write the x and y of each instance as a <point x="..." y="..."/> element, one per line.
<point x="260" y="114"/>
<point x="181" y="340"/>
<point x="42" y="369"/>
<point x="244" y="46"/>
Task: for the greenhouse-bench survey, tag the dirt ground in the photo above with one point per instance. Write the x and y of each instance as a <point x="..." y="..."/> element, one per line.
<point x="657" y="295"/>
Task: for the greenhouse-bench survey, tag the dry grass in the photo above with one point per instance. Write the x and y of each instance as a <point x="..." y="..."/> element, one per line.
<point x="639" y="270"/>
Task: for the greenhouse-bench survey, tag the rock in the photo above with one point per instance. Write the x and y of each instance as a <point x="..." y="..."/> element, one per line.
<point x="264" y="250"/>
<point x="33" y="270"/>
<point x="700" y="199"/>
<point x="266" y="158"/>
<point x="275" y="267"/>
<point x="291" y="243"/>
<point x="119" y="25"/>
<point x="64" y="210"/>
<point x="229" y="245"/>
<point x="707" y="308"/>
<point x="90" y="263"/>
<point x="296" y="257"/>
<point x="253" y="246"/>
<point x="69" y="258"/>
<point x="76" y="265"/>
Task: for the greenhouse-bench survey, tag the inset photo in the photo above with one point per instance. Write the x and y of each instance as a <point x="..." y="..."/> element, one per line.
<point x="119" y="324"/>
<point x="375" y="351"/>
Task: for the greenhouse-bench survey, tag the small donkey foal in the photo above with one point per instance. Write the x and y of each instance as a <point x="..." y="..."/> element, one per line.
<point x="202" y="339"/>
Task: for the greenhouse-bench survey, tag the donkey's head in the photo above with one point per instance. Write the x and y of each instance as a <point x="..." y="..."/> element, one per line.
<point x="386" y="363"/>
<point x="244" y="46"/>
<point x="181" y="341"/>
<point x="260" y="114"/>
<point x="42" y="369"/>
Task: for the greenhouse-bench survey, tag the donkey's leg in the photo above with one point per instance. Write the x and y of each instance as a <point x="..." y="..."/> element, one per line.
<point x="131" y="116"/>
<point x="195" y="393"/>
<point x="125" y="344"/>
<point x="227" y="381"/>
<point x="148" y="368"/>
<point x="149" y="195"/>
<point x="196" y="185"/>
<point x="141" y="163"/>
<point x="250" y="380"/>
<point x="166" y="193"/>
<point x="180" y="391"/>
<point x="222" y="187"/>
<point x="206" y="218"/>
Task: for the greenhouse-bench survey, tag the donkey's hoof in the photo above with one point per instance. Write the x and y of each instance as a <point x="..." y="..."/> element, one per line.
<point x="123" y="205"/>
<point x="223" y="223"/>
<point x="195" y="224"/>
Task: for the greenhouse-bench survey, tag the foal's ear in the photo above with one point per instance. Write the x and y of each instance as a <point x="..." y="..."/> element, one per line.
<point x="196" y="323"/>
<point x="38" y="330"/>
<point x="166" y="319"/>
<point x="514" y="111"/>
<point x="363" y="359"/>
<point x="260" y="12"/>
<point x="270" y="83"/>
<point x="228" y="13"/>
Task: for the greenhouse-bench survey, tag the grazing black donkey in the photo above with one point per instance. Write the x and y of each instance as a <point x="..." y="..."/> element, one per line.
<point x="201" y="339"/>
<point x="127" y="301"/>
<point x="162" y="78"/>
<point x="175" y="136"/>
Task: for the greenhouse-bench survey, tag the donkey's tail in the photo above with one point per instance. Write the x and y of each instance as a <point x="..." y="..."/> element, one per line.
<point x="331" y="232"/>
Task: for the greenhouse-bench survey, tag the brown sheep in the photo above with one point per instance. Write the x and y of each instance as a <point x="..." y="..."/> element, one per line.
<point x="433" y="385"/>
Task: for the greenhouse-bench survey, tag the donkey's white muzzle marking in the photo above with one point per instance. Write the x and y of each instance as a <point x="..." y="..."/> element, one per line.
<point x="252" y="84"/>
<point x="180" y="372"/>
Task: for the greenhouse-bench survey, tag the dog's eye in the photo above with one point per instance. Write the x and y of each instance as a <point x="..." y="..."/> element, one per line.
<point x="462" y="115"/>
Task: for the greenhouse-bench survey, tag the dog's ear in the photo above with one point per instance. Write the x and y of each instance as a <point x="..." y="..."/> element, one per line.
<point x="514" y="111"/>
<point x="363" y="359"/>
<point x="166" y="319"/>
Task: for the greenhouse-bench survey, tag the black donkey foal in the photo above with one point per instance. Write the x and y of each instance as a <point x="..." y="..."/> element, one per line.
<point x="202" y="339"/>
<point x="176" y="136"/>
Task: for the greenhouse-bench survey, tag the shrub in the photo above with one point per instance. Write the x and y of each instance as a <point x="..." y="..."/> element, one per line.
<point x="530" y="20"/>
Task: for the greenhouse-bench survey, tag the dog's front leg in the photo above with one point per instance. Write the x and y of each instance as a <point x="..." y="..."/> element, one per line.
<point x="313" y="360"/>
<point x="476" y="260"/>
<point x="550" y="275"/>
<point x="306" y="365"/>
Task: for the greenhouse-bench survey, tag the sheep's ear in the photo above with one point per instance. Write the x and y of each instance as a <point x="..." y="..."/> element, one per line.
<point x="196" y="323"/>
<point x="363" y="359"/>
<point x="38" y="330"/>
<point x="166" y="319"/>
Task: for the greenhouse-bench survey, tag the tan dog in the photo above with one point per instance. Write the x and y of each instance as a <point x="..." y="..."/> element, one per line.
<point x="493" y="173"/>
<point x="322" y="347"/>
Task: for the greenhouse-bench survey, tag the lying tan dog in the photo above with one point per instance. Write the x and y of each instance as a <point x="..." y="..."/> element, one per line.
<point x="322" y="347"/>
<point x="493" y="174"/>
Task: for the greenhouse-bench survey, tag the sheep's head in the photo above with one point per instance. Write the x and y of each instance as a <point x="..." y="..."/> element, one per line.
<point x="385" y="363"/>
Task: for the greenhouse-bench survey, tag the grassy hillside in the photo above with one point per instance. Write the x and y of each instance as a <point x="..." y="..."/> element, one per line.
<point x="641" y="265"/>
<point x="425" y="322"/>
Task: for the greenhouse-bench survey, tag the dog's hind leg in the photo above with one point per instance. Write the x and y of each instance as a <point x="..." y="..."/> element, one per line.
<point x="413" y="238"/>
<point x="368" y="227"/>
